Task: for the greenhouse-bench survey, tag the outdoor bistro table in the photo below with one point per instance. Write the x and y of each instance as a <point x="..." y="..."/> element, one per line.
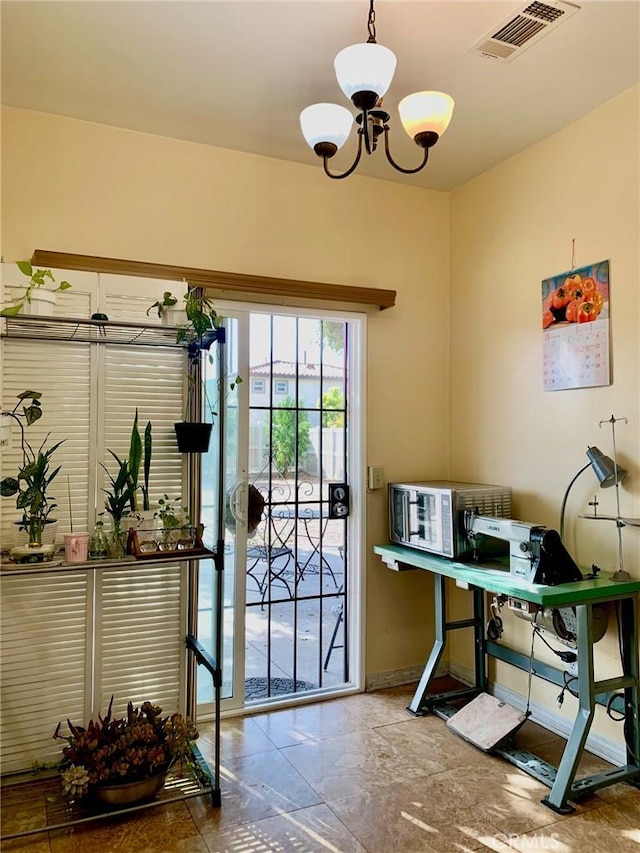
<point x="309" y="514"/>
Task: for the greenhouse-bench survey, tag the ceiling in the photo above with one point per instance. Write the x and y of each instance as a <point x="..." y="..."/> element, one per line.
<point x="237" y="74"/>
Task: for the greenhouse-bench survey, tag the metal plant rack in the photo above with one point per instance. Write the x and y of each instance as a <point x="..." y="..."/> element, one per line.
<point x="62" y="814"/>
<point x="79" y="330"/>
<point x="59" y="813"/>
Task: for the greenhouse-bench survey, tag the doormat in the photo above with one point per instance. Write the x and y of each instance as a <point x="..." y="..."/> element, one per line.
<point x="256" y="688"/>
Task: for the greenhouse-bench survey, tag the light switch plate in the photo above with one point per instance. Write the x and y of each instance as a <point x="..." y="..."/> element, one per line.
<point x="375" y="477"/>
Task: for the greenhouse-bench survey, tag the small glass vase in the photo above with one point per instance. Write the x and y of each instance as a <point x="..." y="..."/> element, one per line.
<point x="146" y="532"/>
<point x="165" y="538"/>
<point x="99" y="543"/>
<point x="117" y="543"/>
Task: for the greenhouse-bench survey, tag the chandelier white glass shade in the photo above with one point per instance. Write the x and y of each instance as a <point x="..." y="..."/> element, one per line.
<point x="365" y="68"/>
<point x="326" y="123"/>
<point x="426" y="112"/>
<point x="364" y="73"/>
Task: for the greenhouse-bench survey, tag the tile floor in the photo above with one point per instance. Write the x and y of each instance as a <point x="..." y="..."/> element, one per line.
<point x="358" y="774"/>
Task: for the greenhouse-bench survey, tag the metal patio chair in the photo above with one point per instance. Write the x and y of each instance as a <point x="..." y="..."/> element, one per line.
<point x="270" y="560"/>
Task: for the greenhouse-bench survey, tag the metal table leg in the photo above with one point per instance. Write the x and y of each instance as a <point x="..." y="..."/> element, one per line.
<point x="629" y="617"/>
<point x="422" y="703"/>
<point x="557" y="799"/>
<point x="438" y="645"/>
<point x="564" y="787"/>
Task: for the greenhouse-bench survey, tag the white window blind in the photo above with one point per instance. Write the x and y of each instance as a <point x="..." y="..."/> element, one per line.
<point x="150" y="381"/>
<point x="103" y="632"/>
<point x="45" y="631"/>
<point x="62" y="373"/>
<point x="140" y="636"/>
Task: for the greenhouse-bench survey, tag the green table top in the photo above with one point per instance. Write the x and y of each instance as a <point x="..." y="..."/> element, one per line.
<point x="495" y="578"/>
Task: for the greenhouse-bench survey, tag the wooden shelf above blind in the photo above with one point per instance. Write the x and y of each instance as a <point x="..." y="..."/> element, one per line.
<point x="233" y="283"/>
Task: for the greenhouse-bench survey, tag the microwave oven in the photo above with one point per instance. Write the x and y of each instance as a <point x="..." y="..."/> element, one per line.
<point x="430" y="515"/>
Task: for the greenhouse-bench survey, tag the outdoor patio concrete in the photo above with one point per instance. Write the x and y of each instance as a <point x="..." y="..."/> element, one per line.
<point x="309" y="620"/>
<point x="305" y="626"/>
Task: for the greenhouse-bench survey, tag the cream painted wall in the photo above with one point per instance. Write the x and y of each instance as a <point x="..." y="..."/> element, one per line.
<point x="73" y="186"/>
<point x="511" y="228"/>
<point x="77" y="187"/>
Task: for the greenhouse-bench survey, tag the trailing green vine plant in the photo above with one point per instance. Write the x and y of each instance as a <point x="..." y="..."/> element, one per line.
<point x="37" y="278"/>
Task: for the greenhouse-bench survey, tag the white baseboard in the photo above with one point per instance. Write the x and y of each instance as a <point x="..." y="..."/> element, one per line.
<point x="546" y="717"/>
<point x="398" y="677"/>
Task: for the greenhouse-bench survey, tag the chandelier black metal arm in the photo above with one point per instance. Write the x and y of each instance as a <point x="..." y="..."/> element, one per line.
<point x="328" y="149"/>
<point x="393" y="162"/>
<point x="372" y="123"/>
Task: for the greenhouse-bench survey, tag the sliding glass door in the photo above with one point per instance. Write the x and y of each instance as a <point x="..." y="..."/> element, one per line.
<point x="292" y="523"/>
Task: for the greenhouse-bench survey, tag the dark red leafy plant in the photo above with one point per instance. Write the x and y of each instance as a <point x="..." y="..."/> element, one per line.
<point x="117" y="750"/>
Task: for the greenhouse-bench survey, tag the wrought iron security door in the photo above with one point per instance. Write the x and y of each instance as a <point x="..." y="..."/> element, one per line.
<point x="297" y="557"/>
<point x="286" y="581"/>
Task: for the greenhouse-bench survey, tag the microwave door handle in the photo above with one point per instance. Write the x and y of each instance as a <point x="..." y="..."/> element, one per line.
<point x="406" y="521"/>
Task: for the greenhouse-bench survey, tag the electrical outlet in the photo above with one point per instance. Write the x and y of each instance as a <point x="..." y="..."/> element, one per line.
<point x="571" y="668"/>
<point x="375" y="477"/>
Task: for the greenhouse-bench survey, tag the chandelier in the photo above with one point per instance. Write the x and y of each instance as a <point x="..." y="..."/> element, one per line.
<point x="364" y="73"/>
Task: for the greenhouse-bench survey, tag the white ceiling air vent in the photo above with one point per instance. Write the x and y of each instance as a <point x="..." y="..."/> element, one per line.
<point x="523" y="28"/>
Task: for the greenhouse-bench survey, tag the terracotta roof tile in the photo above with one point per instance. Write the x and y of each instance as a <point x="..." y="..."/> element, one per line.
<point x="305" y="371"/>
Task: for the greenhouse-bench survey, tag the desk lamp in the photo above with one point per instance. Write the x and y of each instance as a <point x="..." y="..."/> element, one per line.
<point x="606" y="470"/>
<point x="609" y="473"/>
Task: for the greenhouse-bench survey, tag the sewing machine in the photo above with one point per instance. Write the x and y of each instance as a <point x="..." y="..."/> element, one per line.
<point x="536" y="553"/>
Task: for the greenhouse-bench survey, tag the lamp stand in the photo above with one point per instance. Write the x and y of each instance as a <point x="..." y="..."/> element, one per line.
<point x="564" y="499"/>
<point x="621" y="575"/>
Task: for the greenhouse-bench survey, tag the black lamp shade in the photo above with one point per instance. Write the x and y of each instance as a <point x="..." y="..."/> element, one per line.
<point x="604" y="468"/>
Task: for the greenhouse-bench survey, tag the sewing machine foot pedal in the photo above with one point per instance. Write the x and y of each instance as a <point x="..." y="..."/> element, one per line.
<point x="486" y="722"/>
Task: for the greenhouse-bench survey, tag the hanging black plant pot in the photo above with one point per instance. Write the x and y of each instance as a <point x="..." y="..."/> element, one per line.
<point x="193" y="437"/>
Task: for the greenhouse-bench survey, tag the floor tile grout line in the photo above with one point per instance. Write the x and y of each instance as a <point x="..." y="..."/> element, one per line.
<point x="241" y="740"/>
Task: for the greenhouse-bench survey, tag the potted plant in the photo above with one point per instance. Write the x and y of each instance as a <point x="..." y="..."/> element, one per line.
<point x="174" y="525"/>
<point x="168" y="310"/>
<point x="121" y="761"/>
<point x="99" y="542"/>
<point x="33" y="480"/>
<point x="201" y="329"/>
<point x="37" y="298"/>
<point x="117" y="505"/>
<point x="139" y="451"/>
<point x="194" y="436"/>
<point x="200" y="319"/>
<point x="122" y="496"/>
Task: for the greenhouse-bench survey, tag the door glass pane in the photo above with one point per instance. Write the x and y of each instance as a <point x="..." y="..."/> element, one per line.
<point x="291" y="569"/>
<point x="218" y="396"/>
<point x="296" y="562"/>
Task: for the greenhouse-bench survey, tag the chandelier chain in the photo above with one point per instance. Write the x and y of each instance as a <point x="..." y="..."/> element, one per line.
<point x="371" y="24"/>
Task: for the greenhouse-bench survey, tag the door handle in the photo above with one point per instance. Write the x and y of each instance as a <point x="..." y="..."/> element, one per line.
<point x="238" y="502"/>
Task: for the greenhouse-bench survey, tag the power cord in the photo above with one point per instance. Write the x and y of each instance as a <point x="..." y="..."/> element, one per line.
<point x="527" y="711"/>
<point x="567" y="657"/>
<point x="611" y="710"/>
<point x="614" y="696"/>
<point x="571" y="657"/>
<point x="566" y="686"/>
